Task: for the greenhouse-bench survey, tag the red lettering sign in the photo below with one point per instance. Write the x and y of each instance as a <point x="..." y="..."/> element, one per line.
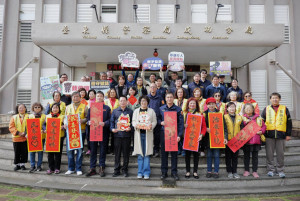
<point x="170" y="119"/>
<point x="34" y="135"/>
<point x="96" y="131"/>
<point x="74" y="132"/>
<point x="53" y="135"/>
<point x="243" y="136"/>
<point x="192" y="132"/>
<point x="216" y="135"/>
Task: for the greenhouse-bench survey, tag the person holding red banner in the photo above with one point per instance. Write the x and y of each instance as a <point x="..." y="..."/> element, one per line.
<point x="121" y="126"/>
<point x="56" y="99"/>
<point x="76" y="108"/>
<point x="169" y="107"/>
<point x="54" y="158"/>
<point x="254" y="144"/>
<point x="144" y="121"/>
<point x="113" y="103"/>
<point x="103" y="144"/>
<point x="17" y="127"/>
<point x="279" y="129"/>
<point x="193" y="108"/>
<point x="37" y="110"/>
<point x="86" y="134"/>
<point x="234" y="123"/>
<point x="83" y="96"/>
<point x="213" y="152"/>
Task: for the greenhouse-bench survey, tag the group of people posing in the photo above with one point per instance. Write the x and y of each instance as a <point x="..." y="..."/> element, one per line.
<point x="152" y="100"/>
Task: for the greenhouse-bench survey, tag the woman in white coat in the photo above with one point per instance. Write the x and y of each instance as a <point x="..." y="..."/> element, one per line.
<point x="144" y="121"/>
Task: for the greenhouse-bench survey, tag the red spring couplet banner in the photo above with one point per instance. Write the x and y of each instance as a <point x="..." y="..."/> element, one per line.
<point x="96" y="131"/>
<point x="132" y="100"/>
<point x="34" y="135"/>
<point x="53" y="135"/>
<point x="243" y="136"/>
<point x="74" y="132"/>
<point x="170" y="119"/>
<point x="216" y="135"/>
<point x="192" y="132"/>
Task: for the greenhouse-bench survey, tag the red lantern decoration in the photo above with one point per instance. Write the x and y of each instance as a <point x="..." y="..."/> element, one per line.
<point x="155" y="53"/>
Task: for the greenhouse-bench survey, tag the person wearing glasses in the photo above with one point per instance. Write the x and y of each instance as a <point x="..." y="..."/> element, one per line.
<point x="203" y="81"/>
<point x="248" y="99"/>
<point x="219" y="104"/>
<point x="56" y="99"/>
<point x="37" y="110"/>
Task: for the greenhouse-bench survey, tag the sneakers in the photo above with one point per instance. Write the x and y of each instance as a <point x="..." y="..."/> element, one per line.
<point x="236" y="176"/>
<point x="23" y="167"/>
<point x="49" y="172"/>
<point x="90" y="173"/>
<point x="139" y="176"/>
<point x="69" y="172"/>
<point x="32" y="170"/>
<point x="255" y="175"/>
<point x="88" y="152"/>
<point x="202" y="154"/>
<point x="281" y="174"/>
<point x="270" y="174"/>
<point x="230" y="175"/>
<point x="79" y="173"/>
<point x="208" y="175"/>
<point x="38" y="169"/>
<point x="246" y="174"/>
<point x="216" y="175"/>
<point x="17" y="168"/>
<point x="56" y="171"/>
<point x="146" y="177"/>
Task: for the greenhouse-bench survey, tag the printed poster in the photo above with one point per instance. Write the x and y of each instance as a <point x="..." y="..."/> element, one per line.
<point x="176" y="60"/>
<point x="153" y="63"/>
<point x="129" y="60"/>
<point x="220" y="67"/>
<point x="100" y="85"/>
<point x="69" y="86"/>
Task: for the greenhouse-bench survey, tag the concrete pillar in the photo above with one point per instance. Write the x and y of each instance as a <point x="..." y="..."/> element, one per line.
<point x="211" y="11"/>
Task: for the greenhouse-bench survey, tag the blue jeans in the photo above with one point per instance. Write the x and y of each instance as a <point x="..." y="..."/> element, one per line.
<point x="71" y="159"/>
<point x="210" y="154"/>
<point x="143" y="162"/>
<point x="40" y="157"/>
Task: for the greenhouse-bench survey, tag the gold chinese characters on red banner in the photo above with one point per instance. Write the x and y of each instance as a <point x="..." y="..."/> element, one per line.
<point x="74" y="140"/>
<point x="53" y="135"/>
<point x="192" y="132"/>
<point x="216" y="135"/>
<point x="170" y="119"/>
<point x="96" y="131"/>
<point x="34" y="135"/>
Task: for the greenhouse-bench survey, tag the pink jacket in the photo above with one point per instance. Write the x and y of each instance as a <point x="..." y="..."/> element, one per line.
<point x="256" y="138"/>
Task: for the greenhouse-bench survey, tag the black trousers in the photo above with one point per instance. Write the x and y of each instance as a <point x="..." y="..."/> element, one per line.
<point x="188" y="160"/>
<point x="156" y="136"/>
<point x="122" y="145"/>
<point x="54" y="158"/>
<point x="254" y="160"/>
<point x="112" y="142"/>
<point x="231" y="160"/>
<point x="164" y="157"/>
<point x="21" y="152"/>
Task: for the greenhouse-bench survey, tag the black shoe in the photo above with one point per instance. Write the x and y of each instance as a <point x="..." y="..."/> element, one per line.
<point x="163" y="176"/>
<point x="23" y="167"/>
<point x="115" y="174"/>
<point x="91" y="173"/>
<point x="101" y="172"/>
<point x="216" y="175"/>
<point x="125" y="174"/>
<point x="17" y="168"/>
<point x="208" y="175"/>
<point x="156" y="155"/>
<point x="195" y="175"/>
<point x="38" y="169"/>
<point x="32" y="170"/>
<point x="175" y="177"/>
<point x="187" y="175"/>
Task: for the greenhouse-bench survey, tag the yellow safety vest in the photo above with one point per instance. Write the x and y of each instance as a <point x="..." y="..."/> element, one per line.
<point x="20" y="126"/>
<point x="107" y="102"/>
<point x="80" y="110"/>
<point x="61" y="117"/>
<point x="62" y="106"/>
<point x="276" y="121"/>
<point x="201" y="105"/>
<point x="42" y="120"/>
<point x="238" y="107"/>
<point x="185" y="115"/>
<point x="184" y="104"/>
<point x="222" y="108"/>
<point x="233" y="128"/>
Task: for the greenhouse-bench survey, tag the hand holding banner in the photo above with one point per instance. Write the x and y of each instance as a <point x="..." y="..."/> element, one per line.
<point x="243" y="136"/>
<point x="34" y="135"/>
<point x="53" y="135"/>
<point x="96" y="131"/>
<point x="192" y="132"/>
<point x="216" y="135"/>
<point x="74" y="139"/>
<point x="170" y="119"/>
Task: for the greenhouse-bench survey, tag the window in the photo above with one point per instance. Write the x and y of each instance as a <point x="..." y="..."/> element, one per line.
<point x="142" y="14"/>
<point x="259" y="87"/>
<point x="199" y="13"/>
<point x="256" y="14"/>
<point x="1" y="21"/>
<point x="51" y="13"/>
<point x="281" y="16"/>
<point x="84" y="13"/>
<point x="165" y="13"/>
<point x="27" y="16"/>
<point x="285" y="88"/>
<point x="24" y="87"/>
<point x="109" y="13"/>
<point x="224" y="14"/>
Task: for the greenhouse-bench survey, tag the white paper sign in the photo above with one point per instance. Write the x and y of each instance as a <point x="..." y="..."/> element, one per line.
<point x="129" y="60"/>
<point x="69" y="87"/>
<point x="176" y="60"/>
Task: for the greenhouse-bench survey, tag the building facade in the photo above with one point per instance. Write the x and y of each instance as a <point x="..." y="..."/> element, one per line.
<point x="76" y="38"/>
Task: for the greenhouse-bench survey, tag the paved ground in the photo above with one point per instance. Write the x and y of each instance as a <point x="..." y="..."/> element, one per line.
<point x="11" y="193"/>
